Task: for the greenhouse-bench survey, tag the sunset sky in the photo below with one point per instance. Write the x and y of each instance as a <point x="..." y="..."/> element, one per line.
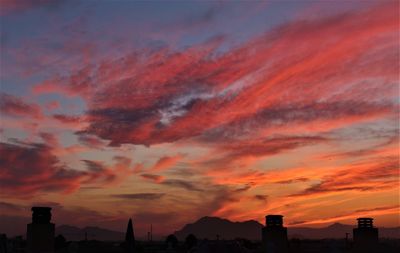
<point x="167" y="111"/>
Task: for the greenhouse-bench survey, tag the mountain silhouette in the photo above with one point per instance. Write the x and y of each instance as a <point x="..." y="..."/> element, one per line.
<point x="72" y="233"/>
<point x="210" y="227"/>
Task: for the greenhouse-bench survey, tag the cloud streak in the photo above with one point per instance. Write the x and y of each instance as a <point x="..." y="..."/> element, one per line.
<point x="139" y="196"/>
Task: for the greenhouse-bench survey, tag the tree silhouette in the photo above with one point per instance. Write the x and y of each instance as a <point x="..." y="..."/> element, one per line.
<point x="172" y="241"/>
<point x="60" y="242"/>
<point x="190" y="241"/>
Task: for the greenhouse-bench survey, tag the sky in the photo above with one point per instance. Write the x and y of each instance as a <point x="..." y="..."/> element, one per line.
<point x="167" y="111"/>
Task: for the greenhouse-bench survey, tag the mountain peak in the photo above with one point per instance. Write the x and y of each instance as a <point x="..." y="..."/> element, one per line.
<point x="337" y="225"/>
<point x="213" y="227"/>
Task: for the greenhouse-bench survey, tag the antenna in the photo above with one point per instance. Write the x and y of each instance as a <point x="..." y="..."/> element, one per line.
<point x="151" y="232"/>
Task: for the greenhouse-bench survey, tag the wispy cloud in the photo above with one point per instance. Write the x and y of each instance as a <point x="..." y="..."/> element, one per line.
<point x="139" y="196"/>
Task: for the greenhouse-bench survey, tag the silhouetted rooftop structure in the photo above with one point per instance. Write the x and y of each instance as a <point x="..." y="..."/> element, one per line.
<point x="40" y="233"/>
<point x="365" y="222"/>
<point x="365" y="236"/>
<point x="274" y="235"/>
<point x="41" y="215"/>
<point x="274" y="220"/>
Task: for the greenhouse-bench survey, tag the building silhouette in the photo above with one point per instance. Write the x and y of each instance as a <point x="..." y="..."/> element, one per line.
<point x="3" y="243"/>
<point x="274" y="235"/>
<point x="365" y="236"/>
<point x="129" y="238"/>
<point x="40" y="233"/>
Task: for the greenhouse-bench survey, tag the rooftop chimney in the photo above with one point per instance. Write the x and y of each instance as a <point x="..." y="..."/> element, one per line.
<point x="274" y="235"/>
<point x="41" y="215"/>
<point x="40" y="233"/>
<point x="366" y="237"/>
<point x="274" y="221"/>
<point x="365" y="222"/>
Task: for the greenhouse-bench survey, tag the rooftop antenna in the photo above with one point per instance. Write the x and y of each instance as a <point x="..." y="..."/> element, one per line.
<point x="151" y="232"/>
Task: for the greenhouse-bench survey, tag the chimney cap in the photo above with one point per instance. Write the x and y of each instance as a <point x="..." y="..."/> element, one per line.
<point x="40" y="208"/>
<point x="363" y="218"/>
<point x="274" y="216"/>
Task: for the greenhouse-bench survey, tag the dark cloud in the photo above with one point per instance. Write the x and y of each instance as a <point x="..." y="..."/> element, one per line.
<point x="243" y="189"/>
<point x="321" y="110"/>
<point x="114" y="123"/>
<point x="99" y="172"/>
<point x="153" y="177"/>
<point x="49" y="139"/>
<point x="295" y="180"/>
<point x="140" y="196"/>
<point x="30" y="168"/>
<point x="295" y="114"/>
<point x="271" y="146"/>
<point x="182" y="172"/>
<point x="67" y="119"/>
<point x="187" y="185"/>
<point x="263" y="198"/>
<point x="15" y="106"/>
<point x="122" y="160"/>
<point x="94" y="166"/>
<point x="91" y="140"/>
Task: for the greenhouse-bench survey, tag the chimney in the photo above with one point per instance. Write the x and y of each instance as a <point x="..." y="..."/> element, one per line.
<point x="365" y="236"/>
<point x="40" y="233"/>
<point x="274" y="235"/>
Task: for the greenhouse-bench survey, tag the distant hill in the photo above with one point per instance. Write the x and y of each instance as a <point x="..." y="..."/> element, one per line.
<point x="93" y="233"/>
<point x="210" y="227"/>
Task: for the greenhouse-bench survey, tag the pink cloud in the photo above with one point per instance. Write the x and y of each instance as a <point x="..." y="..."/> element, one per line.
<point x="52" y="105"/>
<point x="15" y="106"/>
<point x="265" y="84"/>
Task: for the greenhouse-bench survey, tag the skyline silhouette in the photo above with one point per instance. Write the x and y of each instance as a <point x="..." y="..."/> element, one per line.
<point x="247" y="230"/>
<point x="40" y="238"/>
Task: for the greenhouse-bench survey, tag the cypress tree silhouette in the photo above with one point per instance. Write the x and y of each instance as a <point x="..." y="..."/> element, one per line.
<point x="130" y="238"/>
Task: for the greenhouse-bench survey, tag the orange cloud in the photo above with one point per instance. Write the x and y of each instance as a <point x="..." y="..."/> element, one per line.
<point x="166" y="162"/>
<point x="373" y="212"/>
